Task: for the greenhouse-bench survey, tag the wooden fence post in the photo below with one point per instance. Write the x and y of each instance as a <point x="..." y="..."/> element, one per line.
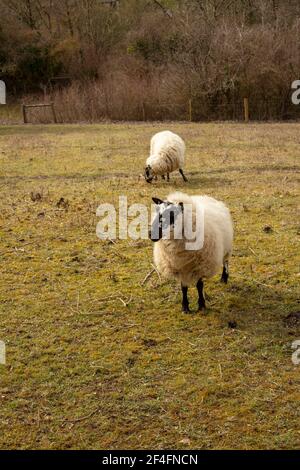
<point x="54" y="113"/>
<point x="246" y="109"/>
<point x="144" y="111"/>
<point x="190" y="110"/>
<point x="24" y="113"/>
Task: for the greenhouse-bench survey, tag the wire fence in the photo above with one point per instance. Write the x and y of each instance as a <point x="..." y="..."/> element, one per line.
<point x="239" y="110"/>
<point x="193" y="110"/>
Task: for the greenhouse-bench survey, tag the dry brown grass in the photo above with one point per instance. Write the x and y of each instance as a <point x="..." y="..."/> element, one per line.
<point x="98" y="359"/>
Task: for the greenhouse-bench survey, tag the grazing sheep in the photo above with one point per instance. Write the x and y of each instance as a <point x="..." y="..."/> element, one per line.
<point x="190" y="266"/>
<point x="166" y="155"/>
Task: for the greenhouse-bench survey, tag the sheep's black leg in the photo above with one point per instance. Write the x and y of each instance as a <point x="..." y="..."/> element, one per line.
<point x="183" y="176"/>
<point x="225" y="273"/>
<point x="185" y="300"/>
<point x="201" y="299"/>
<point x="168" y="176"/>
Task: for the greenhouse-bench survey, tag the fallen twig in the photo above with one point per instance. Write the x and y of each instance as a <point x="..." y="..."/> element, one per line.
<point x="77" y="420"/>
<point x="110" y="297"/>
<point x="147" y="277"/>
<point x="125" y="303"/>
<point x="16" y="249"/>
<point x="118" y="254"/>
<point x="156" y="271"/>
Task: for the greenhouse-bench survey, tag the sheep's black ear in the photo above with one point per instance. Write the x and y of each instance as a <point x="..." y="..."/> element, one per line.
<point x="157" y="201"/>
<point x="181" y="205"/>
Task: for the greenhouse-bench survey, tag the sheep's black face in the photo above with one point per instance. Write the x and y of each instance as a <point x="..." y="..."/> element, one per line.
<point x="148" y="174"/>
<point x="164" y="220"/>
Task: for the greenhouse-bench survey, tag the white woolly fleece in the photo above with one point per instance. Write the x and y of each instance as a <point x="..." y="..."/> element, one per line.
<point x="167" y="152"/>
<point x="174" y="261"/>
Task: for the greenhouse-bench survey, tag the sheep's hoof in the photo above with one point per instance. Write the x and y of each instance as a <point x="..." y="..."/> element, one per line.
<point x="186" y="310"/>
<point x="202" y="308"/>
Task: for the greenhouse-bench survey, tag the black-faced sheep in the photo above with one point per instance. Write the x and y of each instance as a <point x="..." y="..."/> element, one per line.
<point x="175" y="256"/>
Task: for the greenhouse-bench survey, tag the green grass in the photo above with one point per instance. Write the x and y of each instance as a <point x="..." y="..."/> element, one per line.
<point x="86" y="371"/>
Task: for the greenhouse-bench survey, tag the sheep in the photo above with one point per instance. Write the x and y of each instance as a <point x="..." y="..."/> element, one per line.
<point x="172" y="256"/>
<point x="166" y="155"/>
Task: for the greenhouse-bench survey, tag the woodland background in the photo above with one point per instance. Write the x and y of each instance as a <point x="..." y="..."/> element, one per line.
<point x="146" y="59"/>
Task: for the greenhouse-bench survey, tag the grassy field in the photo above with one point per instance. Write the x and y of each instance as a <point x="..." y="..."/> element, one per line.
<point x="98" y="359"/>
